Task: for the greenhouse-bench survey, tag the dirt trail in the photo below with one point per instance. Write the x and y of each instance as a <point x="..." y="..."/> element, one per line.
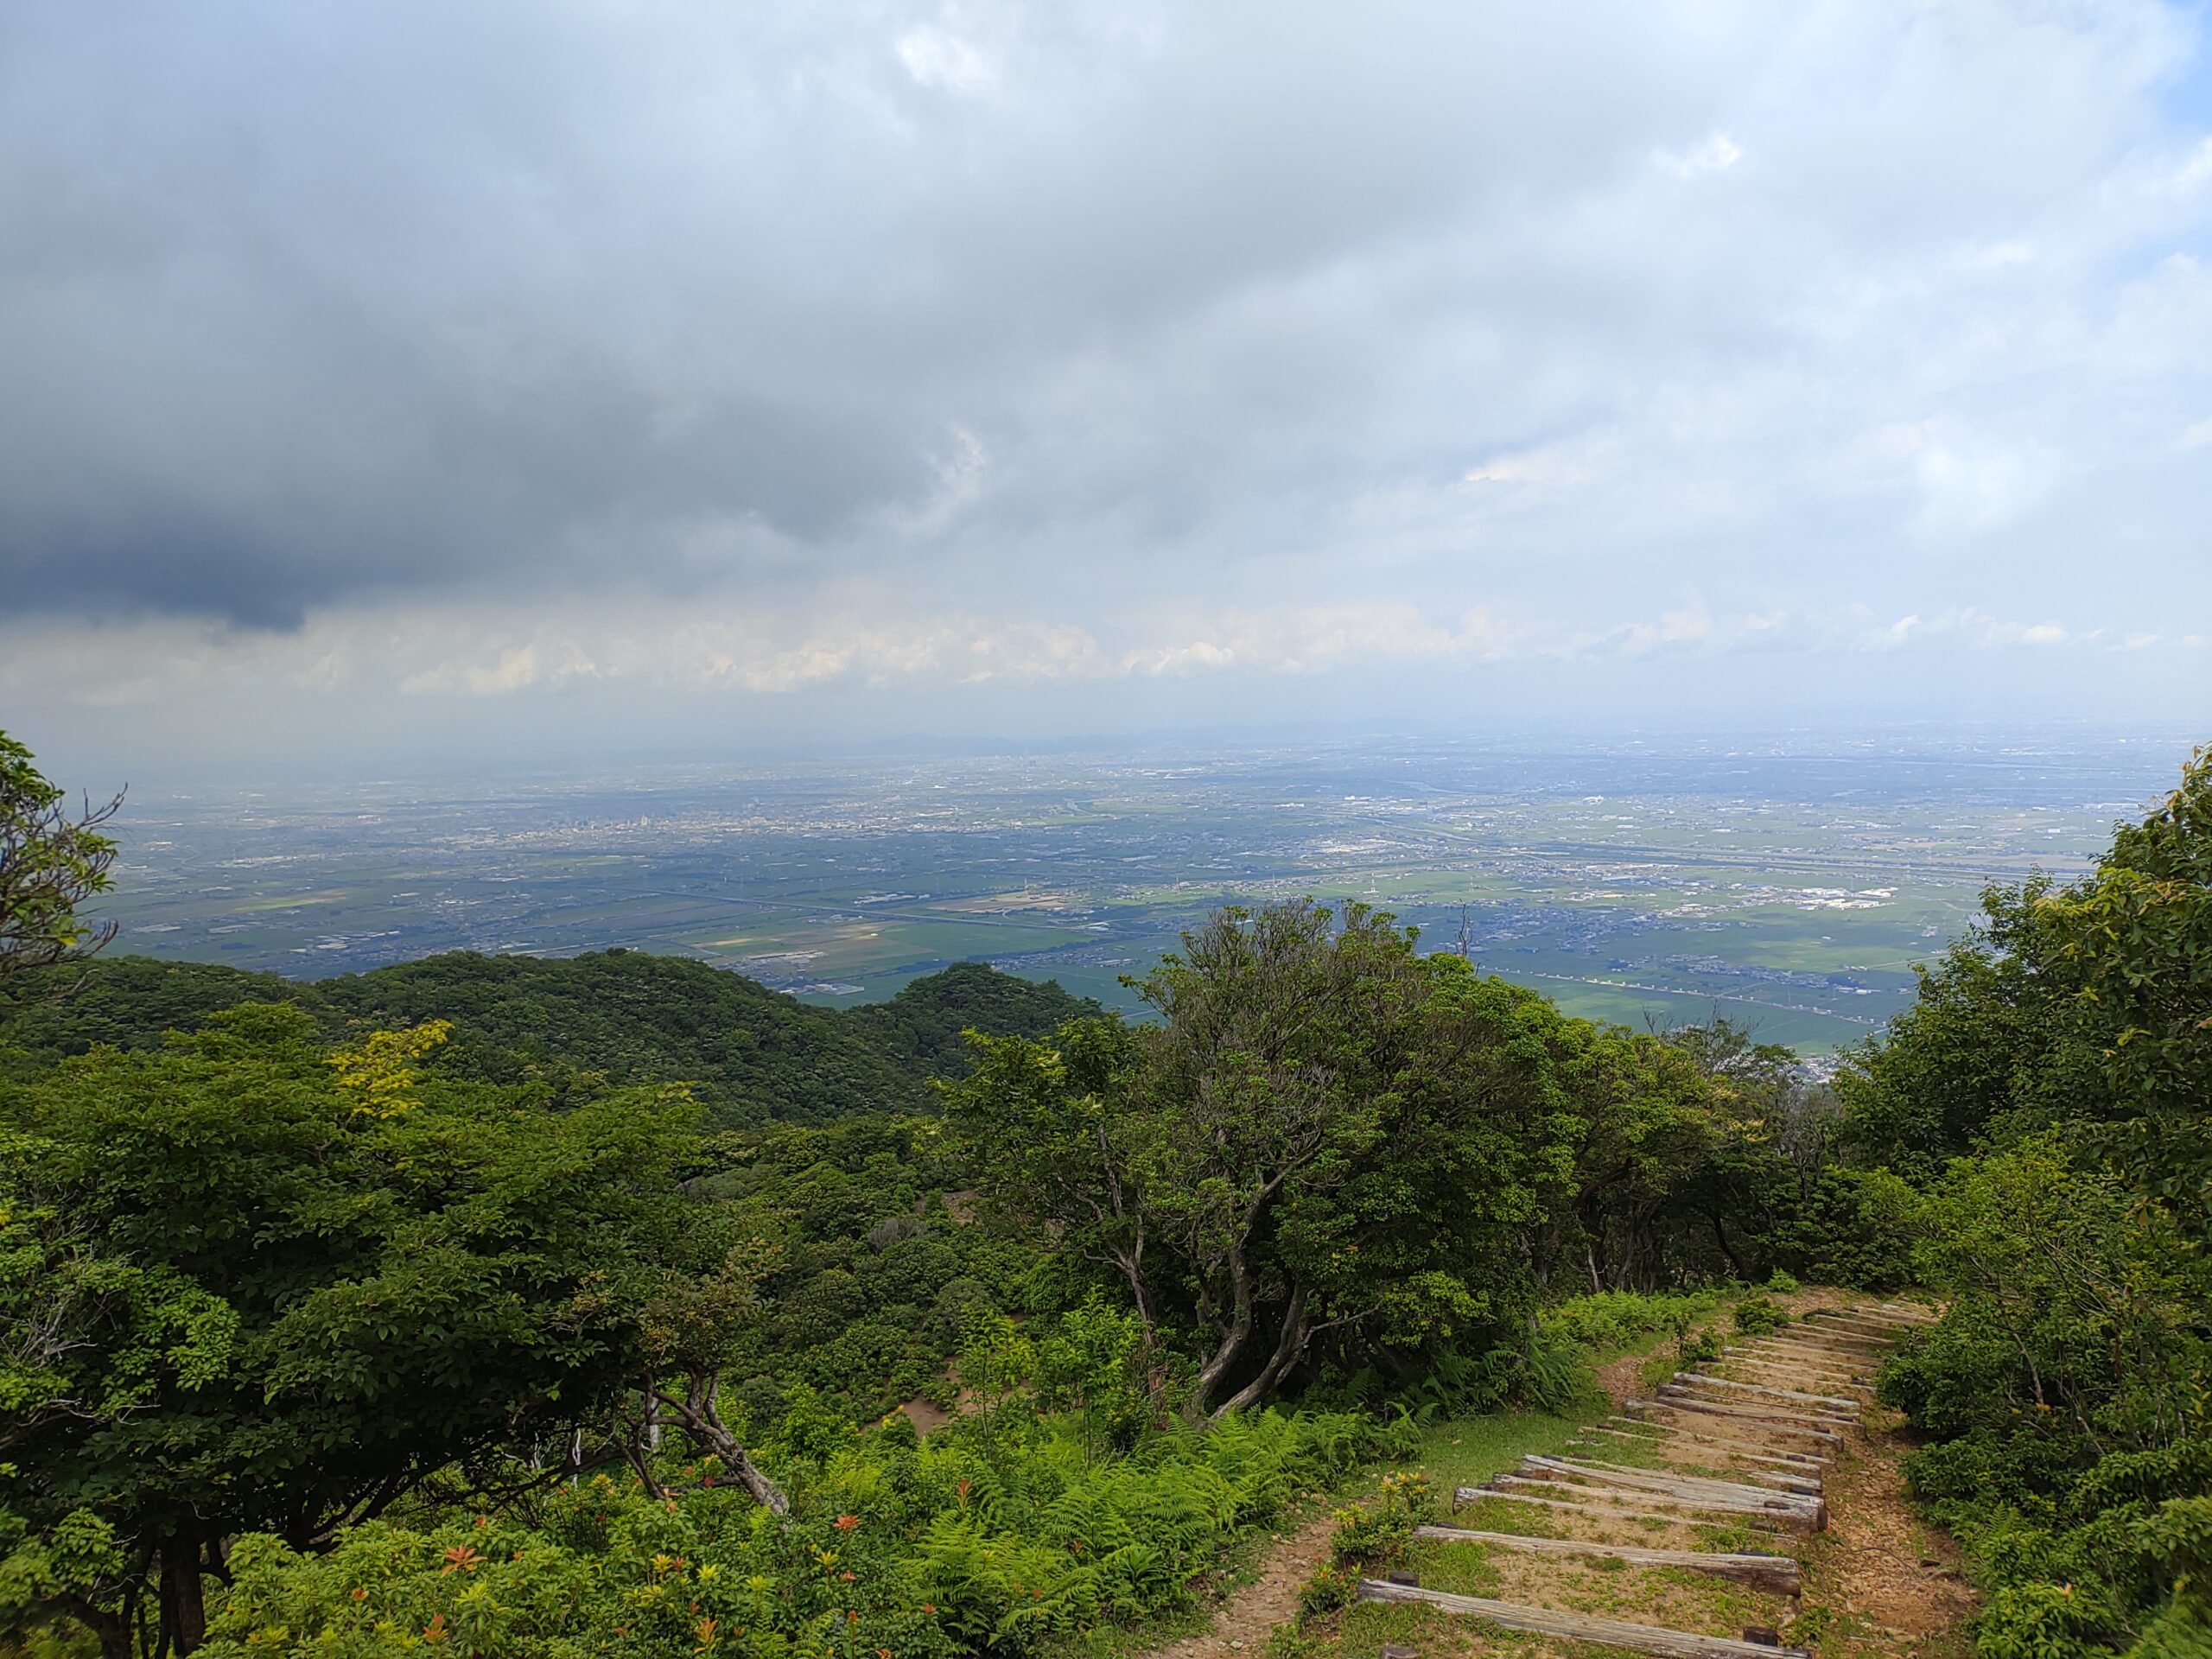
<point x="1888" y="1581"/>
<point x="1271" y="1600"/>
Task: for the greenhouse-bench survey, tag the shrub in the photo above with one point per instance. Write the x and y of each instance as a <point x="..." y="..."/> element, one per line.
<point x="1330" y="1588"/>
<point x="1758" y="1316"/>
<point x="929" y="1549"/>
<point x="1614" y="1318"/>
<point x="1701" y="1348"/>
<point x="1370" y="1535"/>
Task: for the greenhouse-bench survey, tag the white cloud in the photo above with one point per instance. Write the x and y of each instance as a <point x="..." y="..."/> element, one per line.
<point x="1897" y="633"/>
<point x="1550" y="465"/>
<point x="444" y="657"/>
<point x="516" y="668"/>
<point x="1716" y="153"/>
<point x="939" y="59"/>
<point x="1999" y="256"/>
<point x="2197" y="171"/>
<point x="1967" y="481"/>
<point x="1979" y="487"/>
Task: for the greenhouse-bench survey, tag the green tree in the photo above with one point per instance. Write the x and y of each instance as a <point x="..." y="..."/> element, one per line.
<point x="1987" y="1046"/>
<point x="1445" y="1232"/>
<point x="924" y="1023"/>
<point x="283" y="1288"/>
<point x="995" y="1360"/>
<point x="698" y="1319"/>
<point x="1651" y="1127"/>
<point x="51" y="861"/>
<point x="1063" y="1137"/>
<point x="1282" y="1031"/>
<point x="1327" y="1137"/>
<point x="1090" y="1366"/>
<point x="2131" y="951"/>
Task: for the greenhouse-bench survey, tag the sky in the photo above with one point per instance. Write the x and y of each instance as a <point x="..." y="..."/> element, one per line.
<point x="567" y="378"/>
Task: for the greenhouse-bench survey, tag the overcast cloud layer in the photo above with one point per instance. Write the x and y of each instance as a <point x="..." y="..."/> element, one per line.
<point x="560" y="368"/>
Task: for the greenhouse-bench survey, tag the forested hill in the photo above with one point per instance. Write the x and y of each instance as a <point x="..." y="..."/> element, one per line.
<point x="752" y="1054"/>
<point x="920" y="1027"/>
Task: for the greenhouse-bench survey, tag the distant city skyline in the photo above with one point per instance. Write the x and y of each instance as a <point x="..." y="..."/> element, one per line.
<point x="449" y="385"/>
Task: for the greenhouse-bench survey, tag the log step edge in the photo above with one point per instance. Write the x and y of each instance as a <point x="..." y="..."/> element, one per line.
<point x="1581" y="1627"/>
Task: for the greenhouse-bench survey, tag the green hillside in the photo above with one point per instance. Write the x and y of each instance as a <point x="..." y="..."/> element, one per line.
<point x="921" y="1026"/>
<point x="129" y="1002"/>
<point x="751" y="1054"/>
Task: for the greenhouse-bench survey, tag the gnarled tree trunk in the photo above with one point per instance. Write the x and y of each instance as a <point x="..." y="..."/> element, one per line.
<point x="1231" y="1347"/>
<point x="702" y="1418"/>
<point x="1288" y="1347"/>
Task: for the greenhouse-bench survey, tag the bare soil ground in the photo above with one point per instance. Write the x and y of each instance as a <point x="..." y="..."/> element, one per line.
<point x="1881" y="1580"/>
<point x="923" y="1416"/>
<point x="1255" y="1610"/>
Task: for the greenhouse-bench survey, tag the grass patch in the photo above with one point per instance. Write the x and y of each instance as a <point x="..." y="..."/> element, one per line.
<point x="1470" y="1450"/>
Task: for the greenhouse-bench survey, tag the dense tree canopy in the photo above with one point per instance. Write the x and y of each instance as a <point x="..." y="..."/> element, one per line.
<point x="922" y="1024"/>
<point x="751" y="1055"/>
<point x="257" y="1286"/>
<point x="1331" y="1152"/>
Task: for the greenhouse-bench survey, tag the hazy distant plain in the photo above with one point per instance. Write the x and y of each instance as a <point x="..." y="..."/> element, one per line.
<point x="1789" y="884"/>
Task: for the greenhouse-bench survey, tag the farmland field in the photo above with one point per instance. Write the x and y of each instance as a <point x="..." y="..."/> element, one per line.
<point x="1789" y="885"/>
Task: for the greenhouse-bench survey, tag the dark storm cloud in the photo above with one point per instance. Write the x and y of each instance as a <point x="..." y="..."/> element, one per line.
<point x="303" y="307"/>
<point x="300" y="304"/>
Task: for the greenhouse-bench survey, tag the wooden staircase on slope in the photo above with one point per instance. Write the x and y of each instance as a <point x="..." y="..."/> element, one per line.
<point x="1739" y="1446"/>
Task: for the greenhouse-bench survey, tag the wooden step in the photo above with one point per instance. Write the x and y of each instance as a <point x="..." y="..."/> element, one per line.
<point x="1701" y="1378"/>
<point x="1836" y="1343"/>
<point x="1780" y="1575"/>
<point x="1766" y="1417"/>
<point x="1700" y="1492"/>
<point x="1779" y="1351"/>
<point x="1716" y="1432"/>
<point x="1792" y="1361"/>
<point x="1781" y="1372"/>
<point x="1786" y="1411"/>
<point x="1746" y="1420"/>
<point x="1842" y="1331"/>
<point x="1881" y="1314"/>
<point x="1622" y="1507"/>
<point x="1810" y="1345"/>
<point x="1857" y="1316"/>
<point x="1819" y="1375"/>
<point x="1783" y="1511"/>
<point x="1691" y="1446"/>
<point x="1788" y="1477"/>
<point x="1757" y="1479"/>
<point x="1720" y="1432"/>
<point x="1833" y="1338"/>
<point x="1580" y="1627"/>
<point x="1795" y="1382"/>
<point x="1830" y="1325"/>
